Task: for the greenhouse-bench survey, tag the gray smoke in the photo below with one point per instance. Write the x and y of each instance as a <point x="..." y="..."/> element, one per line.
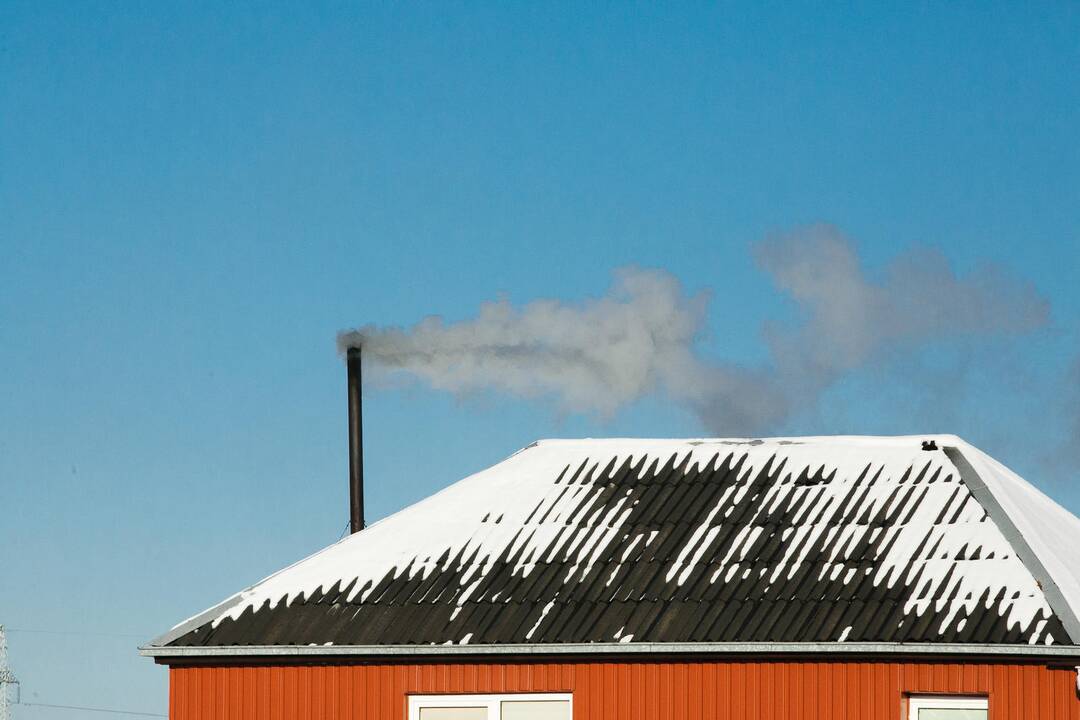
<point x="849" y="319"/>
<point x="600" y="355"/>
<point x="597" y="356"/>
<point x="1066" y="455"/>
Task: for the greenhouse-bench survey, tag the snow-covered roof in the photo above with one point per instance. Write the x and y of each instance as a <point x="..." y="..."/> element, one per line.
<point x="819" y="539"/>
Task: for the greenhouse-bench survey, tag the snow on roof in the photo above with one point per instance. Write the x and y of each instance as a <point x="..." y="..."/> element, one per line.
<point x="785" y="539"/>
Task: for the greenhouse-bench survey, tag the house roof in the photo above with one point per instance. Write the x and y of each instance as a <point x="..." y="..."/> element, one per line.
<point x="835" y="540"/>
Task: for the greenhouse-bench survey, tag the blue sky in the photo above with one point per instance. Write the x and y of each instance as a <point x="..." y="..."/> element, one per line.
<point x="194" y="200"/>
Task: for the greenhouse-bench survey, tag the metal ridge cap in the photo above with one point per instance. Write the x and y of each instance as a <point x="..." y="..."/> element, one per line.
<point x="985" y="496"/>
<point x="659" y="648"/>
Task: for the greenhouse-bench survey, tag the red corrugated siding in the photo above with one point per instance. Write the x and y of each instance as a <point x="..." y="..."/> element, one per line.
<point x="715" y="690"/>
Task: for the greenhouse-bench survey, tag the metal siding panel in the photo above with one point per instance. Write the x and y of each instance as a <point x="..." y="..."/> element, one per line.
<point x="1044" y="699"/>
<point x="737" y="690"/>
<point x="784" y="689"/>
<point x="181" y="680"/>
<point x="277" y="693"/>
<point x="694" y="690"/>
<point x="622" y="694"/>
<point x="303" y="693"/>
<point x="173" y="711"/>
<point x="366" y="696"/>
<point x="227" y="697"/>
<point x="638" y="691"/>
<point x="708" y="691"/>
<point x="753" y="690"/>
<point x="177" y="689"/>
<point x="208" y="694"/>
<point x="316" y="681"/>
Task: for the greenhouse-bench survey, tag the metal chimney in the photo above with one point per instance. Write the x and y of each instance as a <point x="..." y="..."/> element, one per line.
<point x="356" y="442"/>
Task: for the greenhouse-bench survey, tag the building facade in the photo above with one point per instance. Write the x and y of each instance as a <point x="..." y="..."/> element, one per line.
<point x="647" y="689"/>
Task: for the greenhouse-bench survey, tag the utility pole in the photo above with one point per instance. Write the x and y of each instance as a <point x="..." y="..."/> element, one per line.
<point x="7" y="678"/>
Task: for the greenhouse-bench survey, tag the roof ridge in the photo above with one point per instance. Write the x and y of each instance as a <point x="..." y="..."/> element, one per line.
<point x="778" y="439"/>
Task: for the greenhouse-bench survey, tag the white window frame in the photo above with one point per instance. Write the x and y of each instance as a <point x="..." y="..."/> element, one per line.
<point x="493" y="703"/>
<point x="946" y="702"/>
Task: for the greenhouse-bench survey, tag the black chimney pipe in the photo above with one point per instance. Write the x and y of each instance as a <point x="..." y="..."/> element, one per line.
<point x="356" y="443"/>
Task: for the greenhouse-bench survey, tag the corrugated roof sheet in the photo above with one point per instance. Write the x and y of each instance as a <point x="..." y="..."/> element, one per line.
<point x="784" y="540"/>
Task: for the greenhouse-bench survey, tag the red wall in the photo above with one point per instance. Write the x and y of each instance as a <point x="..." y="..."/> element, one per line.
<point x="702" y="690"/>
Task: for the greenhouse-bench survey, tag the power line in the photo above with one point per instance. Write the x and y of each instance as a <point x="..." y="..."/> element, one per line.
<point x="93" y="709"/>
<point x="74" y="632"/>
<point x="7" y="678"/>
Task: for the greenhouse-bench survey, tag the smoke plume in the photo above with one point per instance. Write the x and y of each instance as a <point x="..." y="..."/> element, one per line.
<point x="1066" y="455"/>
<point x="848" y="319"/>
<point x="641" y="337"/>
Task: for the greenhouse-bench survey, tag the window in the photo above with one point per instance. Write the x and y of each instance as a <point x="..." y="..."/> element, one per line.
<point x="930" y="707"/>
<point x="547" y="706"/>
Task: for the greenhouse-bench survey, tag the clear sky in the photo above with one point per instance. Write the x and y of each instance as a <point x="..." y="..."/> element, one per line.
<point x="194" y="200"/>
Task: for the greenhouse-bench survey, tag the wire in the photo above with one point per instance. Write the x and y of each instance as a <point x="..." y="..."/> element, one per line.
<point x="93" y="709"/>
<point x="73" y="632"/>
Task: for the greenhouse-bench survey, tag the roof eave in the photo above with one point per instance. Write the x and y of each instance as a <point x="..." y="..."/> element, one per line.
<point x="638" y="648"/>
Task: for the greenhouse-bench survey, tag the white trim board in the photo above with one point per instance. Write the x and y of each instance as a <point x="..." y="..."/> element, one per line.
<point x="945" y="702"/>
<point x="493" y="703"/>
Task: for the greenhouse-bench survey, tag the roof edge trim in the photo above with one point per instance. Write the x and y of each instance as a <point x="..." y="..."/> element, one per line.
<point x="197" y="621"/>
<point x="1014" y="537"/>
<point x="732" y="648"/>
